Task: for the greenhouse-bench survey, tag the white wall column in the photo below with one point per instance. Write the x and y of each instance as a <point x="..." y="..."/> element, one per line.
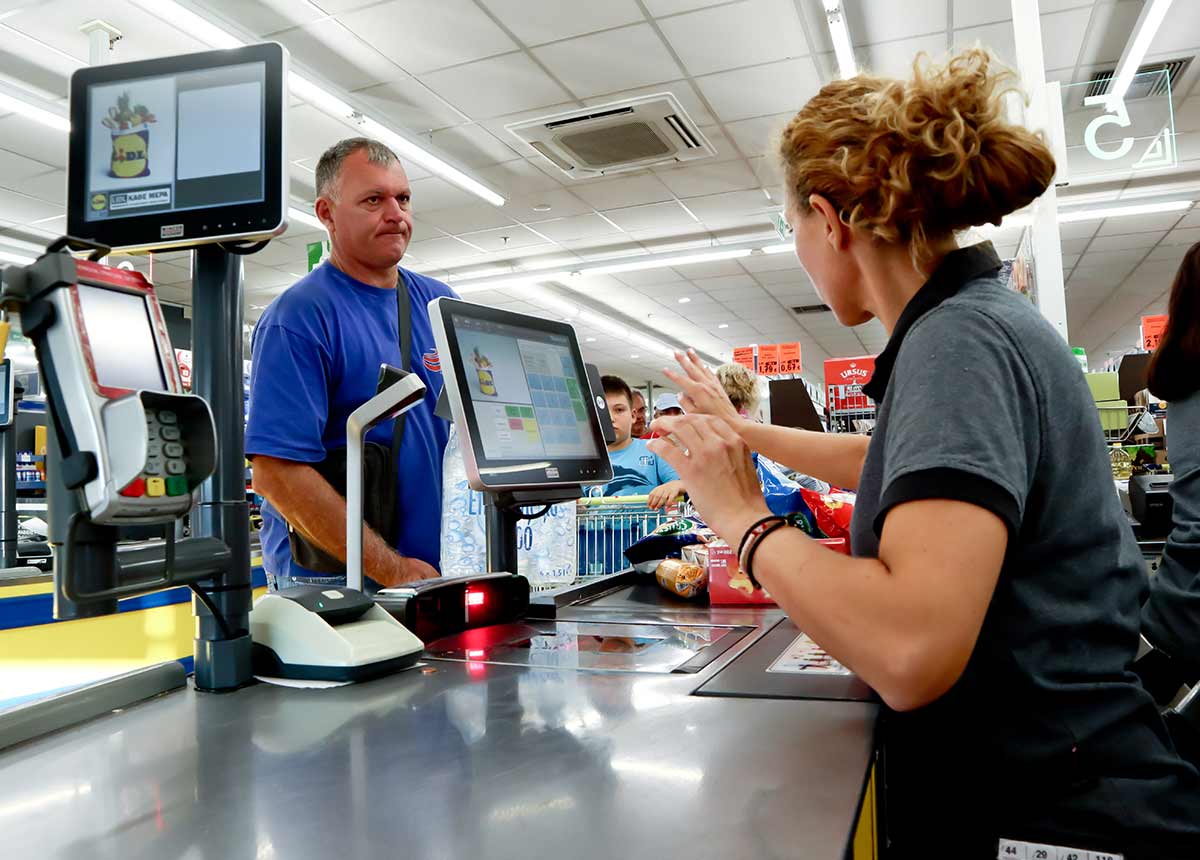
<point x="1047" y="245"/>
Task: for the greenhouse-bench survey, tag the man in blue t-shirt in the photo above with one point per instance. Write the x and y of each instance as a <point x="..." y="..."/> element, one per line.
<point x="636" y="471"/>
<point x="315" y="358"/>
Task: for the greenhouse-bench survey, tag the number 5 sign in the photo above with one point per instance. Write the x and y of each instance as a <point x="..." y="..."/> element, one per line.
<point x="1135" y="132"/>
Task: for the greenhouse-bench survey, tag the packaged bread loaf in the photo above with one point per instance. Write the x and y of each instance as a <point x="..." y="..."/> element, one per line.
<point x="681" y="578"/>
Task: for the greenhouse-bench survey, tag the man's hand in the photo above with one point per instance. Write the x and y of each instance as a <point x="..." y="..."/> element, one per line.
<point x="402" y="570"/>
<point x="664" y="494"/>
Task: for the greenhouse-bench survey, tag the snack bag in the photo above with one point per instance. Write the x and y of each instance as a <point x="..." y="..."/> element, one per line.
<point x="832" y="512"/>
<point x="667" y="541"/>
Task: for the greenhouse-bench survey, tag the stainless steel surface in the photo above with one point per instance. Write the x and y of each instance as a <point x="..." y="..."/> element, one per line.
<point x="472" y="761"/>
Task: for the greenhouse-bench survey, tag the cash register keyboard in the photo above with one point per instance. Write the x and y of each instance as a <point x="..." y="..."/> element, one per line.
<point x="166" y="459"/>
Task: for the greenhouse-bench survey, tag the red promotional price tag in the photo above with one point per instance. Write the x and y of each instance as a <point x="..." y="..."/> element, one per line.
<point x="789" y="358"/>
<point x="768" y="359"/>
<point x="744" y="355"/>
<point x="1152" y="331"/>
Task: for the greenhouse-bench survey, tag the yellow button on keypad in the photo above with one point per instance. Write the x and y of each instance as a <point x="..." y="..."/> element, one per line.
<point x="155" y="487"/>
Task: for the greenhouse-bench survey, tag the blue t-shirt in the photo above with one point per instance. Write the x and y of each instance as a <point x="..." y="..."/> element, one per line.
<point x="636" y="471"/>
<point x="315" y="358"/>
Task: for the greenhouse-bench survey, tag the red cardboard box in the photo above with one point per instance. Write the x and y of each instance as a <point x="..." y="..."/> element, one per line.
<point x="844" y="379"/>
<point x="728" y="585"/>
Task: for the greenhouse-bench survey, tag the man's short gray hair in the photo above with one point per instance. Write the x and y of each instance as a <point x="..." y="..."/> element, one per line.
<point x="329" y="168"/>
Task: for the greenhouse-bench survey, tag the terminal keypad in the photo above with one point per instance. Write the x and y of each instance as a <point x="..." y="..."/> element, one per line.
<point x="166" y="459"/>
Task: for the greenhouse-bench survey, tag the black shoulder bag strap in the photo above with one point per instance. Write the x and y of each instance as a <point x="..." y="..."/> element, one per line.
<point x="404" y="321"/>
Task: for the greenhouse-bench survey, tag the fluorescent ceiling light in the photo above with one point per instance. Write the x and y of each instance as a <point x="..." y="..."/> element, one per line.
<point x="44" y="115"/>
<point x="504" y="283"/>
<point x="307" y="218"/>
<point x="319" y="97"/>
<point x="783" y="248"/>
<point x="1150" y="19"/>
<point x="1122" y="211"/>
<point x="664" y="262"/>
<point x="835" y="16"/>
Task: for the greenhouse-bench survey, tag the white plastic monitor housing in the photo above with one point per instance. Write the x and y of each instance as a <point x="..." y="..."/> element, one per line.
<point x="8" y="409"/>
<point x="393" y="401"/>
<point x="111" y="422"/>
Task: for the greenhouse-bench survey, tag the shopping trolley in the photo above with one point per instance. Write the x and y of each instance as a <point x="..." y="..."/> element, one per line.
<point x="609" y="525"/>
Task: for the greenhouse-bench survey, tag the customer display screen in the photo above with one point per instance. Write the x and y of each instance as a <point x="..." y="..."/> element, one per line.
<point x="176" y="142"/>
<point x="530" y="401"/>
<point x="120" y="339"/>
<point x="179" y="150"/>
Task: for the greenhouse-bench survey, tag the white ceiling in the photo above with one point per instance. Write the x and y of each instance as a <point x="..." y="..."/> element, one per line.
<point x="455" y="72"/>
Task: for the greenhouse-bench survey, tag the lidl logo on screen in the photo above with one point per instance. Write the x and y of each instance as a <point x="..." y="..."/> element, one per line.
<point x="119" y="200"/>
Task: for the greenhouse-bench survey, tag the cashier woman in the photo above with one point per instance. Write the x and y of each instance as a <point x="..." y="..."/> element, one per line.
<point x="315" y="358"/>
<point x="993" y="594"/>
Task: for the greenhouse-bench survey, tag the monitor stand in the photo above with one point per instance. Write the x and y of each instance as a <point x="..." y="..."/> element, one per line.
<point x="503" y="514"/>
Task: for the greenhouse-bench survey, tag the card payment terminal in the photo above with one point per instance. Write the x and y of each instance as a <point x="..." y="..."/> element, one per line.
<point x="132" y="442"/>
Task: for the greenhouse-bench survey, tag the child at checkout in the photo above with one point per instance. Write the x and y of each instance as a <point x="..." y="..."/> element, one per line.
<point x="636" y="471"/>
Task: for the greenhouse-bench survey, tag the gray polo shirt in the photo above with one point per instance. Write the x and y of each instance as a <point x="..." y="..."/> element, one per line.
<point x="1046" y="737"/>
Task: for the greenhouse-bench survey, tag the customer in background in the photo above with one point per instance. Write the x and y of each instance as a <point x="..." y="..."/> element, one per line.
<point x="993" y="596"/>
<point x="639" y="415"/>
<point x="666" y="404"/>
<point x="741" y="387"/>
<point x="636" y="471"/>
<point x="1171" y="617"/>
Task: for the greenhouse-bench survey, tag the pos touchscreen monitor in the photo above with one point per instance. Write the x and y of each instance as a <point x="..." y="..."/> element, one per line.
<point x="519" y="393"/>
<point x="179" y="151"/>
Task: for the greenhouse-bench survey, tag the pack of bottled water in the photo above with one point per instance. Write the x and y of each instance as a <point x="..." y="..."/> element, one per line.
<point x="545" y="547"/>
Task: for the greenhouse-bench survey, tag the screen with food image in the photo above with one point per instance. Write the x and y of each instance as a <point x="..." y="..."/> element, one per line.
<point x="528" y="399"/>
<point x="176" y="142"/>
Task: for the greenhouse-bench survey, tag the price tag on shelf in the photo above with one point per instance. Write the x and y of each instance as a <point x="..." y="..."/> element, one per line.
<point x="1152" y="331"/>
<point x="744" y="355"/>
<point x="789" y="358"/>
<point x="768" y="359"/>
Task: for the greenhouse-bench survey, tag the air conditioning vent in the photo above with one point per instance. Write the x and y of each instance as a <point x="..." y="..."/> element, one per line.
<point x="810" y="309"/>
<point x="630" y="135"/>
<point x="1145" y="84"/>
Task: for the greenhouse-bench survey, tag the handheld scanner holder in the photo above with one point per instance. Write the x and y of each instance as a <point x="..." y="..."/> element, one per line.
<point x="400" y="396"/>
<point x="133" y="444"/>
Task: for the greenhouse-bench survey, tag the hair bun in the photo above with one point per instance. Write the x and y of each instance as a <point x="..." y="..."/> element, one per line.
<point x="908" y="160"/>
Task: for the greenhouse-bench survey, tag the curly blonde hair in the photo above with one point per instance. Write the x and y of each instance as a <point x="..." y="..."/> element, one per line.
<point x="913" y="161"/>
<point x="741" y="386"/>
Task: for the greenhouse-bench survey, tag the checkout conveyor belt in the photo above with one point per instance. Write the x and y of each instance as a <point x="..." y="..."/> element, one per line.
<point x="472" y="756"/>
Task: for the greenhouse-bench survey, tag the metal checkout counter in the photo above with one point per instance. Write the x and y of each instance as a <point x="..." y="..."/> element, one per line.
<point x="604" y="720"/>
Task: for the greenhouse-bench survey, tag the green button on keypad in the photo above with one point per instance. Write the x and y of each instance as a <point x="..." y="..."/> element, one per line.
<point x="177" y="486"/>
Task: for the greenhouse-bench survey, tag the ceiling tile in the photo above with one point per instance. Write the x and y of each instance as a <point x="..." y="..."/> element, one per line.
<point x="22" y="209"/>
<point x="751" y="32"/>
<point x="1062" y="37"/>
<point x="535" y="22"/>
<point x="435" y="193"/>
<point x="895" y="59"/>
<point x="1128" y="242"/>
<point x="145" y="36"/>
<point x="50" y="187"/>
<point x="562" y="204"/>
<point x="998" y="38"/>
<point x="702" y="178"/>
<point x="264" y="17"/>
<point x="421" y="36"/>
<point x="769" y="89"/>
<point x="730" y="203"/>
<point x="613" y="193"/>
<point x="496" y="86"/>
<point x="25" y="137"/>
<point x="1183" y="236"/>
<point x="652" y="216"/>
<point x="1138" y="224"/>
<point x="870" y="22"/>
<point x="15" y="169"/>
<point x="463" y="219"/>
<point x="473" y="146"/>
<point x="1111" y="24"/>
<point x="410" y="104"/>
<point x="517" y="177"/>
<point x="1078" y="230"/>
<point x="576" y="227"/>
<point x="358" y="64"/>
<point x="311" y="132"/>
<point x="972" y="13"/>
<point x="503" y="239"/>
<point x="1179" y="31"/>
<point x="442" y="251"/>
<point x="760" y="137"/>
<point x="586" y="65"/>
